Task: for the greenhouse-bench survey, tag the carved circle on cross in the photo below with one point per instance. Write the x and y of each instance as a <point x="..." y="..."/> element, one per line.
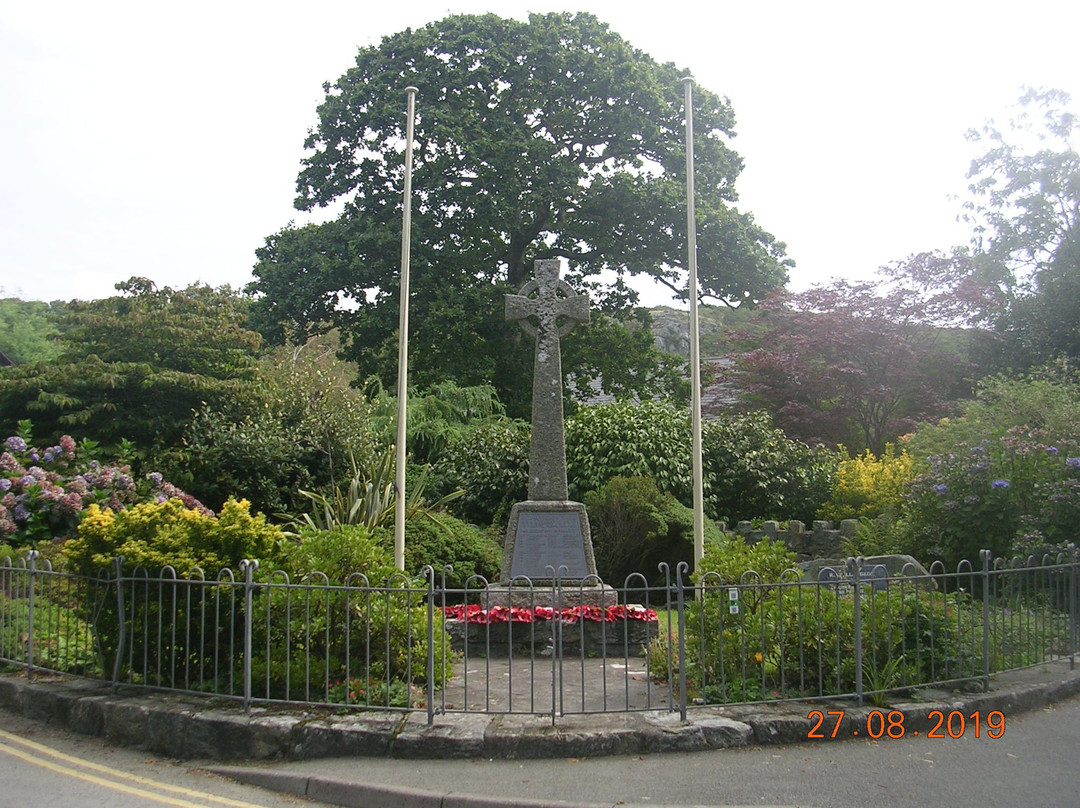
<point x="562" y="289"/>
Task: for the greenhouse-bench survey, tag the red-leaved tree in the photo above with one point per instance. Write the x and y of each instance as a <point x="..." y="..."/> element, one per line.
<point x="859" y="364"/>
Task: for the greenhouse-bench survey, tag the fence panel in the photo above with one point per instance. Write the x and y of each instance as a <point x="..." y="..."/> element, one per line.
<point x="545" y="648"/>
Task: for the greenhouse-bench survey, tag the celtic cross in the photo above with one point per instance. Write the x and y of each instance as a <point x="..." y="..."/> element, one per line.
<point x="547" y="309"/>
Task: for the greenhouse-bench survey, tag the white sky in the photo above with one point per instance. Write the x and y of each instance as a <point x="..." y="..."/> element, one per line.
<point x="163" y="140"/>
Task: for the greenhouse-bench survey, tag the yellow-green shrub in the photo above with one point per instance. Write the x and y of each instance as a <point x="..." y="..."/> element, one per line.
<point x="867" y="485"/>
<point x="156" y="534"/>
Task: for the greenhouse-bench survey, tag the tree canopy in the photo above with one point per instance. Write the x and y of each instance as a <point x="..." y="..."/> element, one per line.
<point x="1025" y="211"/>
<point x="135" y="365"/>
<point x="27" y="329"/>
<point x="859" y="363"/>
<point x="539" y="139"/>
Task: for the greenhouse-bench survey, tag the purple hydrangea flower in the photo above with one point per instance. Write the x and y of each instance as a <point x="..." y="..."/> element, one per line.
<point x="15" y="444"/>
<point x="999" y="484"/>
<point x="21" y="514"/>
<point x="5" y="484"/>
<point x="155" y="477"/>
<point x="1052" y="450"/>
<point x="1073" y="461"/>
<point x="940" y="488"/>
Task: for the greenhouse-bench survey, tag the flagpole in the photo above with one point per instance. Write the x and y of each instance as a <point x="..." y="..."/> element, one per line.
<point x="403" y="339"/>
<point x="695" y="357"/>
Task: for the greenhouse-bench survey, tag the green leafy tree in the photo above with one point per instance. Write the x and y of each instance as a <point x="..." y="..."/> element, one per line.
<point x="299" y="425"/>
<point x="27" y="329"/>
<point x="135" y="366"/>
<point x="538" y="139"/>
<point x="1025" y="211"/>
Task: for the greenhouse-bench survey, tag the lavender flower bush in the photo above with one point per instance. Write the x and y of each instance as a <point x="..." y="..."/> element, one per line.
<point x="1016" y="495"/>
<point x="44" y="492"/>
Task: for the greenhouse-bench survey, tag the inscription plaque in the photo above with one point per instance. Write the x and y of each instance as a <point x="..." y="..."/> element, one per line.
<point x="546" y="540"/>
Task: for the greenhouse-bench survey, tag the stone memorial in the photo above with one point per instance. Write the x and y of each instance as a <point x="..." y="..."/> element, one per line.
<point x="548" y="536"/>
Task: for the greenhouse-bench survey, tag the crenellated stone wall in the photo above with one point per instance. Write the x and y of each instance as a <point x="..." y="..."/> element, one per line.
<point x="821" y="541"/>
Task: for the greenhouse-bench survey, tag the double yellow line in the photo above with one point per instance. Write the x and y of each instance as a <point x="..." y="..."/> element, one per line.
<point x="45" y="757"/>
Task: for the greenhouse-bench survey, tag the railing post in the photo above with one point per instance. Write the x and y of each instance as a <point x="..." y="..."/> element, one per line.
<point x="429" y="572"/>
<point x="985" y="555"/>
<point x="680" y="602"/>
<point x="121" y="627"/>
<point x="854" y="566"/>
<point x="1074" y="607"/>
<point x="31" y="559"/>
<point x="248" y="566"/>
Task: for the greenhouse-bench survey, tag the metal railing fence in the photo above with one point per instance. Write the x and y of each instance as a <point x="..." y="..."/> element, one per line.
<point x="555" y="649"/>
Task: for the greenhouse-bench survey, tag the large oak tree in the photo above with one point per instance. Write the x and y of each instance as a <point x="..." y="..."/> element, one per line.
<point x="539" y="139"/>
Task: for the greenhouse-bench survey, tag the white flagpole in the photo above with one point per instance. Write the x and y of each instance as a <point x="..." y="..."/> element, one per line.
<point x="695" y="358"/>
<point x="403" y="339"/>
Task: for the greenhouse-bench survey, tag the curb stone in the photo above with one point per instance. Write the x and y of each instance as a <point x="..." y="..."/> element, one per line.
<point x="188" y="727"/>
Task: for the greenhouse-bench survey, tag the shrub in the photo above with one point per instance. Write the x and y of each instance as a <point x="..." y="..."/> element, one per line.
<point x="44" y="493"/>
<point x="373" y="630"/>
<point x="1003" y="496"/>
<point x="193" y="543"/>
<point x="338" y="553"/>
<point x="733" y="555"/>
<point x="753" y="471"/>
<point x="63" y="641"/>
<point x="490" y="463"/>
<point x="799" y="640"/>
<point x="439" y="540"/>
<point x="635" y="526"/>
<point x="624" y="439"/>
<point x="169" y="533"/>
<point x="296" y="426"/>
<point x="866" y="486"/>
<point x="1005" y="476"/>
<point x="885" y="534"/>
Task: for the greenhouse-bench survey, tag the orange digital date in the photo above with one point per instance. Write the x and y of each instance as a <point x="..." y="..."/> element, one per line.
<point x="891" y="724"/>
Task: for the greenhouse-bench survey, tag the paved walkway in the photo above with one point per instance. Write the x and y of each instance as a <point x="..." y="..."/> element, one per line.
<point x="533" y="685"/>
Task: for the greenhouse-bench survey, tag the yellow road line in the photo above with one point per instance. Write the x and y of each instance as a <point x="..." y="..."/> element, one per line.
<point x="9" y="738"/>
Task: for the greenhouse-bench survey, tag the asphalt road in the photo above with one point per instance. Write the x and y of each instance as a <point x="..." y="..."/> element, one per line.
<point x="43" y="767"/>
<point x="1035" y="762"/>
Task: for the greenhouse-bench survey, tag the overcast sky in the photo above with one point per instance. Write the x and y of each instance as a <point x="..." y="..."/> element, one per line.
<point x="163" y="140"/>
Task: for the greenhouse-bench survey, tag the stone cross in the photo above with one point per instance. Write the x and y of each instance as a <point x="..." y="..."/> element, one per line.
<point x="550" y="314"/>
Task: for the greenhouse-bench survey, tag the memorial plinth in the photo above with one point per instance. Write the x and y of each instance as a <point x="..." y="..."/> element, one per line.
<point x="548" y="559"/>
